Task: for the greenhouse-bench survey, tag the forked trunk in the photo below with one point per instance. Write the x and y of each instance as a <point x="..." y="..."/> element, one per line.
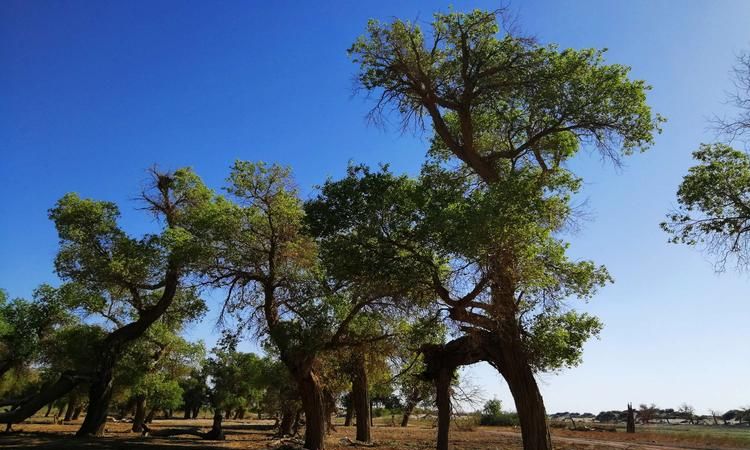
<point x="140" y="414"/>
<point x="361" y="399"/>
<point x="314" y="405"/>
<point x="443" y="401"/>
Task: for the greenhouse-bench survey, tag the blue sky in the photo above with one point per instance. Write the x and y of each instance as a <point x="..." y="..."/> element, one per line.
<point x="94" y="93"/>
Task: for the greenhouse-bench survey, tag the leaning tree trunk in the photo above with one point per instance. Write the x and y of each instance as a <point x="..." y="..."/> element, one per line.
<point x="529" y="404"/>
<point x="314" y="405"/>
<point x="72" y="405"/>
<point x="140" y="414"/>
<point x="408" y="410"/>
<point x="443" y="401"/>
<point x="361" y="399"/>
<point x="100" y="393"/>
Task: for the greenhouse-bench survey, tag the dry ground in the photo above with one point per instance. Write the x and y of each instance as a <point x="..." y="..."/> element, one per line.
<point x="253" y="434"/>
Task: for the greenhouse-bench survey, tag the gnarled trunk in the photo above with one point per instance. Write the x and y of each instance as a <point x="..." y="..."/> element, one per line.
<point x="140" y="414"/>
<point x="100" y="394"/>
<point x="361" y="398"/>
<point x="287" y="421"/>
<point x="314" y="405"/>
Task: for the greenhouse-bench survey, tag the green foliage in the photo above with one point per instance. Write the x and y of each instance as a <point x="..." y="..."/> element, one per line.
<point x="714" y="205"/>
<point x="493" y="415"/>
<point x="524" y="99"/>
<point x="26" y="326"/>
<point x="159" y="390"/>
<point x="444" y="229"/>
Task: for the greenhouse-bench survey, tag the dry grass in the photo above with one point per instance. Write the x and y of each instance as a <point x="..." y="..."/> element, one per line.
<point x="252" y="434"/>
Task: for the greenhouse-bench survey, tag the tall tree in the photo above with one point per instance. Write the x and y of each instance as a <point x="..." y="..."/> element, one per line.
<point x="277" y="284"/>
<point x="511" y="112"/>
<point x="133" y="281"/>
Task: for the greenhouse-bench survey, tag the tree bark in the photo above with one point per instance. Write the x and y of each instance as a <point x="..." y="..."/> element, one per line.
<point x="72" y="405"/>
<point x="443" y="401"/>
<point x="77" y="412"/>
<point x="100" y="394"/>
<point x="140" y="414"/>
<point x="529" y="404"/>
<point x="315" y="409"/>
<point x="287" y="421"/>
<point x="361" y="398"/>
<point x="187" y="413"/>
<point x="196" y="411"/>
<point x="408" y="410"/>
<point x="630" y="419"/>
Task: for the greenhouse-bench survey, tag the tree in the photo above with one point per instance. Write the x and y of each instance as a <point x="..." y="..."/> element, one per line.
<point x="714" y="197"/>
<point x="714" y="205"/>
<point x="504" y="107"/>
<point x="131" y="281"/>
<point x="686" y="412"/>
<point x="647" y="413"/>
<point x="277" y="284"/>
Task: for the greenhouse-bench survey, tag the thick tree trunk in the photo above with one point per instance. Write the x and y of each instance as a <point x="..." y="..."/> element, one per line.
<point x="349" y="412"/>
<point x="72" y="405"/>
<point x="196" y="411"/>
<point x="140" y="414"/>
<point x="361" y="399"/>
<point x="297" y="420"/>
<point x="77" y="412"/>
<point x="408" y="410"/>
<point x="443" y="401"/>
<point x="100" y="394"/>
<point x="217" y="432"/>
<point x="314" y="405"/>
<point x="287" y="421"/>
<point x="630" y="427"/>
<point x="529" y="404"/>
<point x="187" y="413"/>
<point x="228" y="414"/>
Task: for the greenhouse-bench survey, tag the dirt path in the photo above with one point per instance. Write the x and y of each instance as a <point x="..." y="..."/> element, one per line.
<point x="611" y="444"/>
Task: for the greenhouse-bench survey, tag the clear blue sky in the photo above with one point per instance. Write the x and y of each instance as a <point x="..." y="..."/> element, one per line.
<point x="94" y="92"/>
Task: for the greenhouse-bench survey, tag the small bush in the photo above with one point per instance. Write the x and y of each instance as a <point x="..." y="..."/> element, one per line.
<point x="500" y="419"/>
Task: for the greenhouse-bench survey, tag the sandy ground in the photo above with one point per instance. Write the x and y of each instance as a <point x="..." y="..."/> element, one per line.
<point x="254" y="435"/>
